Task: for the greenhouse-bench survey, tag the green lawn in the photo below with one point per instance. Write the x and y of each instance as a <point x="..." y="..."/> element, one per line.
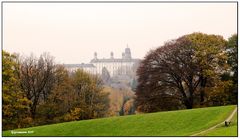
<point x="172" y="123"/>
<point x="224" y="131"/>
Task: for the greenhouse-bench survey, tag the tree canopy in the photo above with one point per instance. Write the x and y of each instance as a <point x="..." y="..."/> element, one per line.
<point x="180" y="72"/>
<point x="37" y="91"/>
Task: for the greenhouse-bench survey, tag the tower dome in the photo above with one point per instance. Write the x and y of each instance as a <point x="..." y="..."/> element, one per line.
<point x="128" y="53"/>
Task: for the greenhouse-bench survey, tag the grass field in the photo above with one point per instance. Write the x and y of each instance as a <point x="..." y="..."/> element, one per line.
<point x="172" y="123"/>
<point x="224" y="131"/>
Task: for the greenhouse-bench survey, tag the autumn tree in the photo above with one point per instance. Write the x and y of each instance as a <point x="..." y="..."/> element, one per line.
<point x="36" y="91"/>
<point x="211" y="57"/>
<point x="125" y="100"/>
<point x="91" y="101"/>
<point x="166" y="72"/>
<point x="15" y="104"/>
<point x="61" y="99"/>
<point x="36" y="79"/>
<point x="178" y="72"/>
<point x="73" y="96"/>
<point x="121" y="101"/>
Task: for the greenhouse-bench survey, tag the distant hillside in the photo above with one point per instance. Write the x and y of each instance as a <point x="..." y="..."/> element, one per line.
<point x="172" y="123"/>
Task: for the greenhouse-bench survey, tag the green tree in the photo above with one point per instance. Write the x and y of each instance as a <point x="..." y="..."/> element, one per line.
<point x="133" y="84"/>
<point x="15" y="104"/>
<point x="233" y="61"/>
<point x="232" y="48"/>
<point x="232" y="74"/>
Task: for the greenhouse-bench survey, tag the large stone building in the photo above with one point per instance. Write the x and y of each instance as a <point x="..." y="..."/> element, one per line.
<point x="115" y="66"/>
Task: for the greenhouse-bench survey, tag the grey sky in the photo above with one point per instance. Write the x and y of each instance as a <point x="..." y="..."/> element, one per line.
<point x="72" y="32"/>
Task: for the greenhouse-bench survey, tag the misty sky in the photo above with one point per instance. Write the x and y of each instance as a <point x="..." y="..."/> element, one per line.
<point x="72" y="32"/>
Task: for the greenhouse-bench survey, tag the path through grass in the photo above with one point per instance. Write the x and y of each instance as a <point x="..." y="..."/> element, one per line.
<point x="222" y="130"/>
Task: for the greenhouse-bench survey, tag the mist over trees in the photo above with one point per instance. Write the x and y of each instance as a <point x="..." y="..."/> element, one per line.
<point x="185" y="73"/>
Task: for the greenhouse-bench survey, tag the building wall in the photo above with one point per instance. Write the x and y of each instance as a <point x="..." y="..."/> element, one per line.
<point x="91" y="70"/>
<point x="113" y="67"/>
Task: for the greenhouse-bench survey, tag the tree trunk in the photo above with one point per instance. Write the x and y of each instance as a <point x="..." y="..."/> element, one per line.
<point x="189" y="102"/>
<point x="33" y="112"/>
<point x="202" y="89"/>
<point x="189" y="106"/>
<point x="33" y="107"/>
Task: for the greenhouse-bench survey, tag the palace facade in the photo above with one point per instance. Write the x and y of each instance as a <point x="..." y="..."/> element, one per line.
<point x="115" y="66"/>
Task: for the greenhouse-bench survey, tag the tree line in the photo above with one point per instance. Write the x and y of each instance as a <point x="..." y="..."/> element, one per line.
<point x="195" y="70"/>
<point x="37" y="91"/>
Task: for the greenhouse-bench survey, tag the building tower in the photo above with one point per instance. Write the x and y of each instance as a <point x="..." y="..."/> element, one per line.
<point x="111" y="55"/>
<point x="128" y="53"/>
<point x="95" y="55"/>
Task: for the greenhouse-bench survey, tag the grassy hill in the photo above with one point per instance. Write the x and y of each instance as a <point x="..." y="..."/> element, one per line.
<point x="172" y="123"/>
<point x="224" y="131"/>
